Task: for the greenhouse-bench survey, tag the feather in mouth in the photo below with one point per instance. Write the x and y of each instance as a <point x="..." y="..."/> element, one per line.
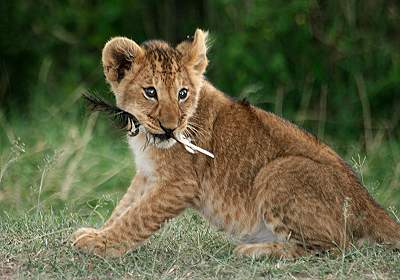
<point x="127" y="121"/>
<point x="121" y="118"/>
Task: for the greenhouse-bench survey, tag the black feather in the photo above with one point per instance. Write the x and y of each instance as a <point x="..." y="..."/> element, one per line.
<point x="122" y="119"/>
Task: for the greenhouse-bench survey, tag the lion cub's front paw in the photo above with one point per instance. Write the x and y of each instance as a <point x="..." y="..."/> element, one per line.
<point x="82" y="231"/>
<point x="95" y="242"/>
<point x="90" y="242"/>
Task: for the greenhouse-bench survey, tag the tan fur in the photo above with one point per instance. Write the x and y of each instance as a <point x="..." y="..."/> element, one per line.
<point x="276" y="189"/>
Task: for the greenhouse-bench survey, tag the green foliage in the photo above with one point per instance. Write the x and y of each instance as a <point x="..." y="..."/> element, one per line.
<point x="302" y="58"/>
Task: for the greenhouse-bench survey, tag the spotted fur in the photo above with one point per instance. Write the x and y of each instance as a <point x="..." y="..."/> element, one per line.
<point x="275" y="188"/>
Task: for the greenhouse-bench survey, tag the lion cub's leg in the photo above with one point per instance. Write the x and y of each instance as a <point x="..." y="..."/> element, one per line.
<point x="132" y="195"/>
<point x="138" y="222"/>
<point x="286" y="250"/>
<point x="302" y="202"/>
<point x="136" y="190"/>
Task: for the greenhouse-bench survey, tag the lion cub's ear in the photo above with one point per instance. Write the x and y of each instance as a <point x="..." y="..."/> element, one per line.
<point x="195" y="52"/>
<point x="118" y="57"/>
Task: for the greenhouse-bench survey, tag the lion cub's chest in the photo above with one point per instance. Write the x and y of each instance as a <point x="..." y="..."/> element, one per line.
<point x="144" y="163"/>
<point x="244" y="225"/>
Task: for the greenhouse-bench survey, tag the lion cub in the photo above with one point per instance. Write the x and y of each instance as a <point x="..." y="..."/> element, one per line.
<point x="275" y="188"/>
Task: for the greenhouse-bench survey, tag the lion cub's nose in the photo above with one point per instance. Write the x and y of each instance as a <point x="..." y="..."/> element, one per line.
<point x="167" y="130"/>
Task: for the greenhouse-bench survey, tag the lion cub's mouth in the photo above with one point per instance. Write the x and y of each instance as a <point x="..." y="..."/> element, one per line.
<point x="162" y="137"/>
<point x="159" y="140"/>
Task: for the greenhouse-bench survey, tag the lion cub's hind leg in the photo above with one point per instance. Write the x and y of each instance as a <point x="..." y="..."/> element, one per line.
<point x="286" y="250"/>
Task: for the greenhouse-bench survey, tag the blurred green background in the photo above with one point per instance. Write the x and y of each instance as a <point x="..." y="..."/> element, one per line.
<point x="332" y="67"/>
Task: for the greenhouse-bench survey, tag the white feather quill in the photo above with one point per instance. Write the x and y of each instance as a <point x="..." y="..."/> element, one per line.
<point x="191" y="148"/>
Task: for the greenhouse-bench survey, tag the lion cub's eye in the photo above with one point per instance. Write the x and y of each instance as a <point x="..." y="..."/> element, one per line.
<point x="150" y="93"/>
<point x="182" y="94"/>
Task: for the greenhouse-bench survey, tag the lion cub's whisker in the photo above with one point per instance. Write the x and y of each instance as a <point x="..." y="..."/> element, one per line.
<point x="126" y="120"/>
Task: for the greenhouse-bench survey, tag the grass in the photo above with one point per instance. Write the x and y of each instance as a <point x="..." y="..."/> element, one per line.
<point x="58" y="173"/>
<point x="36" y="246"/>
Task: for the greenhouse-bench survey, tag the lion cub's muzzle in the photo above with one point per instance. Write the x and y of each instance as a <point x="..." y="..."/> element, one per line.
<point x="168" y="133"/>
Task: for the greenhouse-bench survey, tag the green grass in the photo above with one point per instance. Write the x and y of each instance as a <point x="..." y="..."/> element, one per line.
<point x="36" y="246"/>
<point x="60" y="169"/>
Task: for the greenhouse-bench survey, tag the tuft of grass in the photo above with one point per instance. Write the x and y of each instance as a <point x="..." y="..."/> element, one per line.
<point x="59" y="162"/>
<point x="37" y="246"/>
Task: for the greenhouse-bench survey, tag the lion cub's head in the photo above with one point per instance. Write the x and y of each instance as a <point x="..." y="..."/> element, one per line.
<point x="157" y="83"/>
